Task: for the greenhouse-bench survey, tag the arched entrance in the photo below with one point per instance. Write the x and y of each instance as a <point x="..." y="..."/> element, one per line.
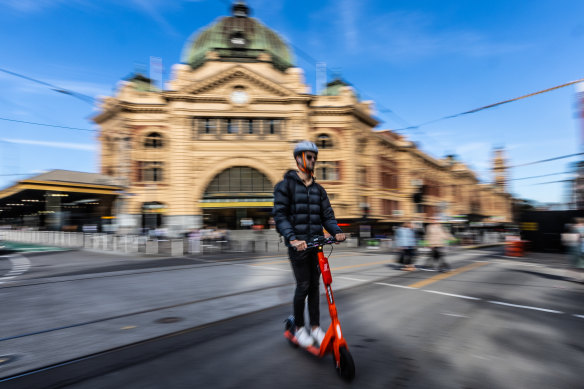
<point x="238" y="198"/>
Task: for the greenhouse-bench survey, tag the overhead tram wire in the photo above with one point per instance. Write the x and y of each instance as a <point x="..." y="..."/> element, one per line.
<point x="547" y="160"/>
<point x="58" y="89"/>
<point x="493" y="105"/>
<point x="543" y="175"/>
<point x="48" y="125"/>
<point x="553" y="182"/>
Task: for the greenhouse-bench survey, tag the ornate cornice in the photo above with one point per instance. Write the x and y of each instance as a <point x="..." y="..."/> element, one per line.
<point x="127" y="106"/>
<point x="237" y="72"/>
<point x="345" y="110"/>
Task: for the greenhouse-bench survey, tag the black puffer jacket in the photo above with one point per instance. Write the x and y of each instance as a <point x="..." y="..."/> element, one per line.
<point x="303" y="214"/>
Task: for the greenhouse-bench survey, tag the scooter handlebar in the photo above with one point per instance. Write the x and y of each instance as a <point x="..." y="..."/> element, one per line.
<point x="321" y="241"/>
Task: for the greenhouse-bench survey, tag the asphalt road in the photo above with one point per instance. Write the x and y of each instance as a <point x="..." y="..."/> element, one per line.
<point x="490" y="323"/>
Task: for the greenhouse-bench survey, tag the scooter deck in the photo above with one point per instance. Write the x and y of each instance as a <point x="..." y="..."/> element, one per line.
<point x="311" y="349"/>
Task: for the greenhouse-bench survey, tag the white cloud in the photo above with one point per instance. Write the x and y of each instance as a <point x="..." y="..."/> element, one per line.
<point x="61" y="145"/>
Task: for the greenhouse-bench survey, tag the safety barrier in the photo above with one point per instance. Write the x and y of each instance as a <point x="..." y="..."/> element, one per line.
<point x="142" y="245"/>
<point x="515" y="248"/>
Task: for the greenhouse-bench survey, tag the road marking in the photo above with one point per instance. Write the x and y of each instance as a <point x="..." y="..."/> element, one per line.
<point x="525" y="307"/>
<point x="20" y="265"/>
<point x="454" y="314"/>
<point x="128" y="327"/>
<point x="442" y="276"/>
<point x="580" y="316"/>
<point x="352" y="279"/>
<point x="451" y="294"/>
<point x="395" y="285"/>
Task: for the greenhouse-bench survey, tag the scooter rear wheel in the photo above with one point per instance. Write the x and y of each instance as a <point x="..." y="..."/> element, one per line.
<point x="346" y="366"/>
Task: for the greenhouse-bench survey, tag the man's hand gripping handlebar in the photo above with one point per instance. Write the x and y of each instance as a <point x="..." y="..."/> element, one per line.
<point x="301" y="245"/>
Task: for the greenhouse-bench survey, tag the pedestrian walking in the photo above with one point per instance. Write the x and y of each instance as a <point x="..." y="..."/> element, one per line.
<point x="437" y="238"/>
<point x="405" y="240"/>
<point x="574" y="239"/>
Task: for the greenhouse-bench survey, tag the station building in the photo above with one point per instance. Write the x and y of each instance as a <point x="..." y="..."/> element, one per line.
<point x="209" y="147"/>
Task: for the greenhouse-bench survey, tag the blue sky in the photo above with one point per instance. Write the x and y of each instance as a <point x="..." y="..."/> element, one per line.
<point x="421" y="59"/>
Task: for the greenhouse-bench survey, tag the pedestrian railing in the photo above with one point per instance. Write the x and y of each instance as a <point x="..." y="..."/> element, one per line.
<point x="142" y="245"/>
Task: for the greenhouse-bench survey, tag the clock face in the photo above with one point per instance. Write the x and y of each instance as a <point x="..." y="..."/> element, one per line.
<point x="238" y="41"/>
<point x="239" y="97"/>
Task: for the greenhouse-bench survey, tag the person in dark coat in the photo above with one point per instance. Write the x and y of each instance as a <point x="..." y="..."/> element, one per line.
<point x="301" y="210"/>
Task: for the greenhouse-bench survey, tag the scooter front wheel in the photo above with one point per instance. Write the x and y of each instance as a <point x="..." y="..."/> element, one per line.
<point x="346" y="366"/>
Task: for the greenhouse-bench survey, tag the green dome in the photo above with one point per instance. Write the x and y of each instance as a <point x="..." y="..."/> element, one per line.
<point x="237" y="38"/>
<point x="333" y="88"/>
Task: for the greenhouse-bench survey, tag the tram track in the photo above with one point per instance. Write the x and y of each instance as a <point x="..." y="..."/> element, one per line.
<point x="95" y="274"/>
<point x="150" y="310"/>
<point x="85" y="367"/>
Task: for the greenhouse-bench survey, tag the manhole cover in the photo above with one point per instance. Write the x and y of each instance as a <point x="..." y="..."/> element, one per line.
<point x="4" y="359"/>
<point x="167" y="320"/>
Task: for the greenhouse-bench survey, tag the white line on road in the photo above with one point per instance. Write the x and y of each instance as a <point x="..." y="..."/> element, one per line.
<point x="580" y="316"/>
<point x="394" y="285"/>
<point x="453" y="314"/>
<point x="451" y="294"/>
<point x="526" y="307"/>
<point x="20" y="265"/>
<point x="352" y="279"/>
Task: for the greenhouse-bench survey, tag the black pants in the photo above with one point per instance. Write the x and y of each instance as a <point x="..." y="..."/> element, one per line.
<point x="438" y="255"/>
<point x="307" y="274"/>
<point x="406" y="256"/>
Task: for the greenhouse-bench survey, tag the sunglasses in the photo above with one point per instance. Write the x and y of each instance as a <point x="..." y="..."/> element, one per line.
<point x="310" y="157"/>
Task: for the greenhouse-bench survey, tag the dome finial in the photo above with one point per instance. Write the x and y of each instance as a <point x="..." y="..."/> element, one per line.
<point x="240" y="9"/>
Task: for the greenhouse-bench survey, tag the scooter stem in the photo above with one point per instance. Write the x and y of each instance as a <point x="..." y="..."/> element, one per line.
<point x="334" y="337"/>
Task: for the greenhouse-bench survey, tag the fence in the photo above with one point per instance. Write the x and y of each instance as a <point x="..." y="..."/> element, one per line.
<point x="141" y="245"/>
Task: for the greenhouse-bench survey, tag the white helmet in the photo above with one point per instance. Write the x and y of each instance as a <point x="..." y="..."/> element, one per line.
<point x="305" y="146"/>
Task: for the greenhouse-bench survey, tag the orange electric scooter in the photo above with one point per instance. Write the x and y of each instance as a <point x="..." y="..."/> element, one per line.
<point x="333" y="341"/>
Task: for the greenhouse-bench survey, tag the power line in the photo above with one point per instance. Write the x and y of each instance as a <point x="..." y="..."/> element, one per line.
<point x="543" y="175"/>
<point x="47" y="125"/>
<point x="553" y="182"/>
<point x="548" y="160"/>
<point x="493" y="105"/>
<point x="58" y="89"/>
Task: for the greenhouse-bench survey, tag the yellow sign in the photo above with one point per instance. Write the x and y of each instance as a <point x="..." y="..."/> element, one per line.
<point x="529" y="226"/>
<point x="238" y="204"/>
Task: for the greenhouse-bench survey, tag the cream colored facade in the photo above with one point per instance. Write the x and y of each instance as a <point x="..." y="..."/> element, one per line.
<point x="167" y="148"/>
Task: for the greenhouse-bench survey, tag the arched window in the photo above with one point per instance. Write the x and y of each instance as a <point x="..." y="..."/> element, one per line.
<point x="153" y="141"/>
<point x="239" y="180"/>
<point x="324" y="141"/>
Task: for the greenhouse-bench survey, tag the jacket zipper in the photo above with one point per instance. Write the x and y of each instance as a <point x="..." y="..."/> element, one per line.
<point x="309" y="235"/>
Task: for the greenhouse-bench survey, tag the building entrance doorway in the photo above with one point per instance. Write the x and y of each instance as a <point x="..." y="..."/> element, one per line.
<point x="238" y="198"/>
<point x="152" y="215"/>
